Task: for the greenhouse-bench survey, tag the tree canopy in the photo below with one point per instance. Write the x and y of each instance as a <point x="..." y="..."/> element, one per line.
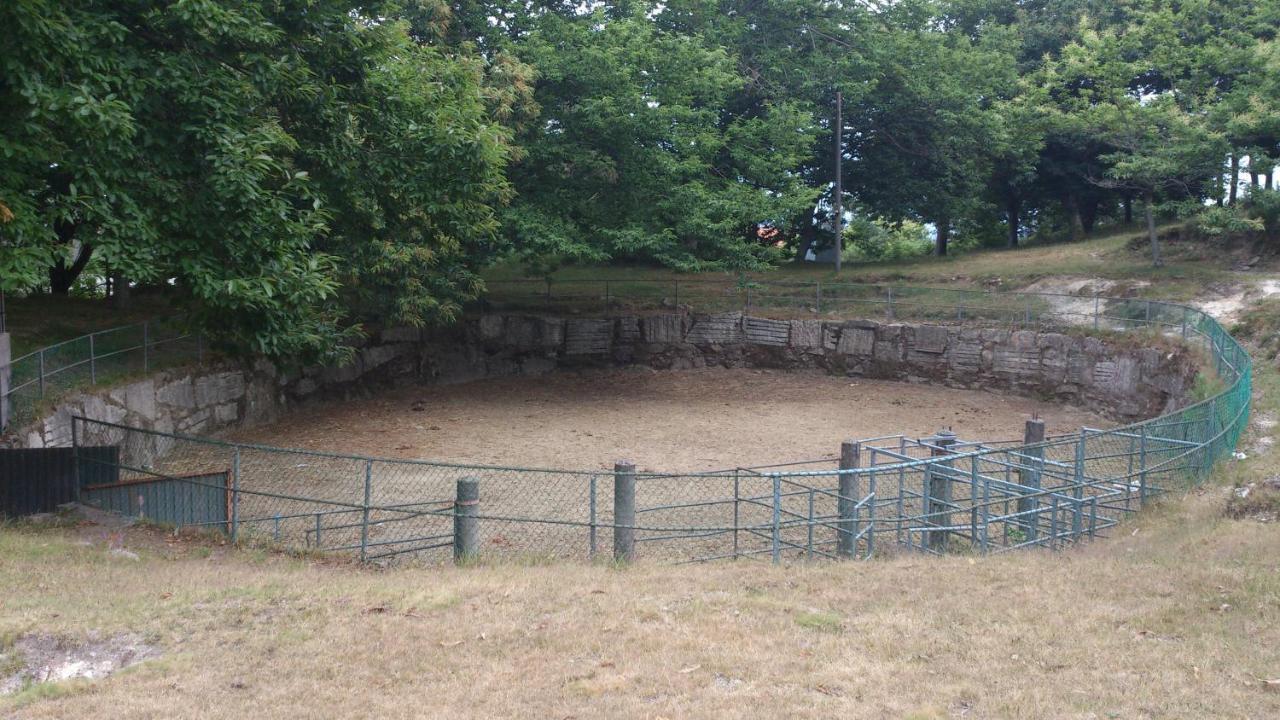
<point x="294" y="168"/>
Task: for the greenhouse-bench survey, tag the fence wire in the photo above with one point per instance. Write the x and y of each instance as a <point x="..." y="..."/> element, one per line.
<point x="40" y="378"/>
<point x="930" y="495"/>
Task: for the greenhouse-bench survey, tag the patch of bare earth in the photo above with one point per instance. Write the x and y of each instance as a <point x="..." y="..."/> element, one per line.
<point x="671" y="420"/>
<point x="43" y="658"/>
<point x="1228" y="302"/>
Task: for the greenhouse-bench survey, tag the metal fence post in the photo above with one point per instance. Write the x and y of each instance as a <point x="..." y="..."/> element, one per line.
<point x="591" y="519"/>
<point x="6" y="371"/>
<point x="1142" y="465"/>
<point x="871" y="511"/>
<point x="809" y="528"/>
<point x="736" y="501"/>
<point x="624" y="511"/>
<point x="146" y="349"/>
<point x="199" y="348"/>
<point x="776" y="524"/>
<point x="364" y="516"/>
<point x="93" y="363"/>
<point x="818" y="297"/>
<point x="41" y="373"/>
<point x="848" y="498"/>
<point x="889" y="302"/>
<point x="1077" y="490"/>
<point x="1053" y="522"/>
<point x="235" y="494"/>
<point x="1210" y="434"/>
<point x="466" y="527"/>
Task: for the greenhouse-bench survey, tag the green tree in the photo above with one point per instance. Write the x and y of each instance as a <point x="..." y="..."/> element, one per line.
<point x="1159" y="150"/>
<point x="263" y="159"/>
<point x="636" y="156"/>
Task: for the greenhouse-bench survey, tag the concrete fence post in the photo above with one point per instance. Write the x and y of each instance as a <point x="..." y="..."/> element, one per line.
<point x="849" y="495"/>
<point x="1029" y="476"/>
<point x="1078" y="480"/>
<point x="466" y="526"/>
<point x="938" y="508"/>
<point x="624" y="511"/>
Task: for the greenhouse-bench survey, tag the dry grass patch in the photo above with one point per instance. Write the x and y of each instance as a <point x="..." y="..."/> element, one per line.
<point x="1176" y="618"/>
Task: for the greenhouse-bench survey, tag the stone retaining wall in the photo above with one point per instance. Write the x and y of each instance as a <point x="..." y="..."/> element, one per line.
<point x="1113" y="378"/>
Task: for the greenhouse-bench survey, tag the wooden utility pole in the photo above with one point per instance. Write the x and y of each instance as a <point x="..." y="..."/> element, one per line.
<point x="837" y="196"/>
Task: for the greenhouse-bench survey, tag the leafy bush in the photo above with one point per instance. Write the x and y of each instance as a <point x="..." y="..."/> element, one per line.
<point x="1264" y="207"/>
<point x="1214" y="223"/>
<point x="866" y="240"/>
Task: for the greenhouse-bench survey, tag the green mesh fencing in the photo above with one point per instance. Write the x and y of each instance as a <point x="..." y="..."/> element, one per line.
<point x="925" y="495"/>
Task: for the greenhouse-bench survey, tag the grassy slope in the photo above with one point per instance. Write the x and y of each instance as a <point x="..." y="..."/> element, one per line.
<point x="1187" y="269"/>
<point x="1175" y="616"/>
<point x="37" y="322"/>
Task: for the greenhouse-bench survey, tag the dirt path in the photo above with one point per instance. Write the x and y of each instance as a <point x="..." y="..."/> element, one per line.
<point x="688" y="420"/>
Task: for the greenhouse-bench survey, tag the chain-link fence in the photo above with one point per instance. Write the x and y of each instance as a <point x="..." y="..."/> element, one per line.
<point x="885" y="495"/>
<point x="39" y="378"/>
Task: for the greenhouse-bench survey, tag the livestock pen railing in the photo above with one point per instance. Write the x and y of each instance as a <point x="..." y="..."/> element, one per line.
<point x="102" y="357"/>
<point x="884" y="495"/>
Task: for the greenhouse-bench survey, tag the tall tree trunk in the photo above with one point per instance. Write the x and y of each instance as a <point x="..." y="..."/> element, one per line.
<point x="943" y="226"/>
<point x="1235" y="179"/>
<point x="61" y="275"/>
<point x="1151" y="229"/>
<point x="1128" y="209"/>
<point x="1271" y="175"/>
<point x="1073" y="217"/>
<point x="1089" y="215"/>
<point x="121" y="294"/>
<point x="1012" y="207"/>
<point x="808" y="233"/>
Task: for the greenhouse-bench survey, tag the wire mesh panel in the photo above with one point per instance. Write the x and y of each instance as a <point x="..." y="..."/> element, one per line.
<point x="932" y="495"/>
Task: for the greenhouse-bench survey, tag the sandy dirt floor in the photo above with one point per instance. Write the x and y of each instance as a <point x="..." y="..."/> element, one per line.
<point x="670" y="421"/>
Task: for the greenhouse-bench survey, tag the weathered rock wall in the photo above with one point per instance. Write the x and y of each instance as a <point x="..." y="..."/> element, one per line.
<point x="1123" y="381"/>
<point x="1117" y="379"/>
